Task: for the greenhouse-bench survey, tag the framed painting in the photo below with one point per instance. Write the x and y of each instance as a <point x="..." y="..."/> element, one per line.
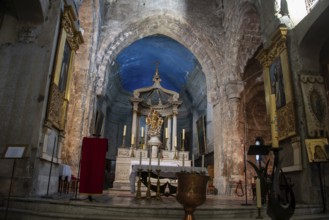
<point x="69" y="40"/>
<point x="201" y="129"/>
<point x="277" y="80"/>
<point x="316" y="150"/>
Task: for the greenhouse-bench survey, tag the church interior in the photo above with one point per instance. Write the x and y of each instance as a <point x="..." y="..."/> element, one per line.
<point x="98" y="94"/>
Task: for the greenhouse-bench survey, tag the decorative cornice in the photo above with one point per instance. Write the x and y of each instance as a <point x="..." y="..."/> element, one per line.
<point x="277" y="45"/>
<point x="74" y="36"/>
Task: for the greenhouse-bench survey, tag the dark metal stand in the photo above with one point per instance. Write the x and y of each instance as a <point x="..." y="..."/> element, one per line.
<point x="259" y="214"/>
<point x="245" y="177"/>
<point x="322" y="191"/>
<point x="78" y="179"/>
<point x="11" y="181"/>
<point x="51" y="167"/>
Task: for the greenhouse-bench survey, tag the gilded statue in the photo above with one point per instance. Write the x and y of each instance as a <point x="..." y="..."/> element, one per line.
<point x="154" y="123"/>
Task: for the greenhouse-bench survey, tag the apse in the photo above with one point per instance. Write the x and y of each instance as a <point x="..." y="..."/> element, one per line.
<point x="137" y="63"/>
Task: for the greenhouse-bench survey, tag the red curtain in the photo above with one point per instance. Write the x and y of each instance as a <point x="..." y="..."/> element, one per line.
<point x="92" y="166"/>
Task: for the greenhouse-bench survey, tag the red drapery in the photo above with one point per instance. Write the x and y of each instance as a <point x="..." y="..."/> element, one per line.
<point x="92" y="165"/>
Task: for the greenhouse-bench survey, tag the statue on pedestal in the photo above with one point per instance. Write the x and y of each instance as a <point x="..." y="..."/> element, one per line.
<point x="154" y="125"/>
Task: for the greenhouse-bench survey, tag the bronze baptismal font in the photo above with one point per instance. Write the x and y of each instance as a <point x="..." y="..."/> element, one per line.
<point x="191" y="191"/>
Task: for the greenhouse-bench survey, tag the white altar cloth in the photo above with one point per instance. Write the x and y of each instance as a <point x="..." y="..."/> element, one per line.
<point x="165" y="171"/>
<point x="65" y="170"/>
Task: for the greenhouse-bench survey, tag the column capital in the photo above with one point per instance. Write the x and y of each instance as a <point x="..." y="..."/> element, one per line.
<point x="234" y="88"/>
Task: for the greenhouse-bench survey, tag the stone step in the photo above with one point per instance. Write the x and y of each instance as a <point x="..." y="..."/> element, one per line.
<point x="125" y="206"/>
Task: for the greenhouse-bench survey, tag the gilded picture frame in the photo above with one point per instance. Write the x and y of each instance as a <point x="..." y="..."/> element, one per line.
<point x="277" y="80"/>
<point x="68" y="42"/>
<point x="316" y="150"/>
<point x="202" y="145"/>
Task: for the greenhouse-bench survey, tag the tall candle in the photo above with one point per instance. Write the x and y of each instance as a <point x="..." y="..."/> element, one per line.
<point x="132" y="139"/>
<point x="166" y="133"/>
<point x="124" y="130"/>
<point x="258" y="193"/>
<point x="175" y="141"/>
<point x="183" y="134"/>
<point x="274" y="122"/>
<point x="142" y="131"/>
<point x="192" y="162"/>
<point x="140" y="159"/>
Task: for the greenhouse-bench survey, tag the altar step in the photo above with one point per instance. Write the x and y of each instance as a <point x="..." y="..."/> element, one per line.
<point x="125" y="206"/>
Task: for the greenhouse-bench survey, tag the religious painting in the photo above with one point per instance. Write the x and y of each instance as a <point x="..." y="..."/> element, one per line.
<point x="277" y="84"/>
<point x="316" y="150"/>
<point x="69" y="39"/>
<point x="201" y="129"/>
<point x="277" y="80"/>
<point x="65" y="67"/>
<point x="315" y="104"/>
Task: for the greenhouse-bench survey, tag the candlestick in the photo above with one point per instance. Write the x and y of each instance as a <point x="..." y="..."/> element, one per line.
<point x="140" y="159"/>
<point x="183" y="134"/>
<point x="202" y="169"/>
<point x="124" y="130"/>
<point x="258" y="193"/>
<point x="274" y="122"/>
<point x="183" y="162"/>
<point x="150" y="158"/>
<point x="142" y="132"/>
<point x="158" y="160"/>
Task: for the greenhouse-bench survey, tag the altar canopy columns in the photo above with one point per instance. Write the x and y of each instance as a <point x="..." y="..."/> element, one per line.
<point x="134" y="122"/>
<point x="169" y="136"/>
<point x="174" y="127"/>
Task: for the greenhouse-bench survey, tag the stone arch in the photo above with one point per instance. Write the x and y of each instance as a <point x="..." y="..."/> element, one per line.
<point x="174" y="28"/>
<point x="243" y="36"/>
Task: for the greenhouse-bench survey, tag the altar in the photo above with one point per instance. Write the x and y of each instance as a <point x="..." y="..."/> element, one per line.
<point x="153" y="136"/>
<point x="125" y="164"/>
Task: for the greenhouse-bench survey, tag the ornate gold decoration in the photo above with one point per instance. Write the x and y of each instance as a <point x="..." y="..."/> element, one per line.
<point x="286" y="121"/>
<point x="74" y="36"/>
<point x="276" y="47"/>
<point x="154" y="123"/>
<point x="55" y="107"/>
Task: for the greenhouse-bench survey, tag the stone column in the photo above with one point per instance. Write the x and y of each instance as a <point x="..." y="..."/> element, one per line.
<point x="231" y="158"/>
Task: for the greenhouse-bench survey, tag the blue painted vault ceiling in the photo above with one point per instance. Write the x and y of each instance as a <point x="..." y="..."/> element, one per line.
<point x="137" y="63"/>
